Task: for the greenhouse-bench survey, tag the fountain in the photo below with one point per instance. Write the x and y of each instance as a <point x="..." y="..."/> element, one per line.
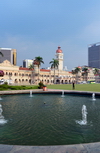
<point x="31" y="93"/>
<point x="62" y="93"/>
<point x="84" y="116"/>
<point x="0" y="98"/>
<point x="93" y="96"/>
<point x="2" y="120"/>
<point x="49" y="119"/>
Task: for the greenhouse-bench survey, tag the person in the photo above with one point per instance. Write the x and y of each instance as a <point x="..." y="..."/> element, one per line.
<point x="73" y="84"/>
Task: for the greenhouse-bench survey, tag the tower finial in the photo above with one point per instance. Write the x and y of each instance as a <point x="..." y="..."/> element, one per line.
<point x="59" y="50"/>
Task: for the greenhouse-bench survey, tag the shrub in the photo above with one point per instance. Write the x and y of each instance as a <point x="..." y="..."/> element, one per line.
<point x="40" y="85"/>
<point x="7" y="87"/>
<point x="6" y="83"/>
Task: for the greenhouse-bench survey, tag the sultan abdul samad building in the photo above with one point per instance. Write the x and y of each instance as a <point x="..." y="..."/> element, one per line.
<point x="25" y="76"/>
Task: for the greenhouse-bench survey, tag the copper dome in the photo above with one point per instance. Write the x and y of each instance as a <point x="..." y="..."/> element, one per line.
<point x="59" y="50"/>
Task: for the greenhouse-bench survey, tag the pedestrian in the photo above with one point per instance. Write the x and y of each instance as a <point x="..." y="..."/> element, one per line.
<point x="73" y="85"/>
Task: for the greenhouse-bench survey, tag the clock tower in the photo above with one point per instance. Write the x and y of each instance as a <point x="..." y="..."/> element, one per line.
<point x="59" y="57"/>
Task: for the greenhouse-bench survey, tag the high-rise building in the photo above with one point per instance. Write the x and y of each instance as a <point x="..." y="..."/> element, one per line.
<point x="27" y="63"/>
<point x="8" y="54"/>
<point x="94" y="55"/>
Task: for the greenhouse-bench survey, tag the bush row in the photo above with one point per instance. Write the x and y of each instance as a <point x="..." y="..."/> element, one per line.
<point x="9" y="87"/>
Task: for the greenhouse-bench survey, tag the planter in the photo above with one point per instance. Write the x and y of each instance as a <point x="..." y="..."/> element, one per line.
<point x="44" y="88"/>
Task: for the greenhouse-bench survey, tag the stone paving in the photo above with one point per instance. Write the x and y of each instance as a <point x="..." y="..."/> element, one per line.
<point x="80" y="148"/>
<point x="77" y="148"/>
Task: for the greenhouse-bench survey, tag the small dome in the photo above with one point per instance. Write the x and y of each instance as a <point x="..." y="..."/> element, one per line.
<point x="59" y="50"/>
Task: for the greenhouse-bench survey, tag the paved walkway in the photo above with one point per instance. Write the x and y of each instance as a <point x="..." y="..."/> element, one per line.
<point x="78" y="148"/>
<point x="81" y="148"/>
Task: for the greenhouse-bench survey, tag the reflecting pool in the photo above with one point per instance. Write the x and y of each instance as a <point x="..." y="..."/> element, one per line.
<point x="46" y="119"/>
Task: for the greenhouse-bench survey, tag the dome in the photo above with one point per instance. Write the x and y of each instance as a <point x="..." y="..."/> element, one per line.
<point x="59" y="50"/>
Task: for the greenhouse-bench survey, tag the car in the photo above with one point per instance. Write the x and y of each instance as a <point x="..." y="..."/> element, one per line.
<point x="1" y="82"/>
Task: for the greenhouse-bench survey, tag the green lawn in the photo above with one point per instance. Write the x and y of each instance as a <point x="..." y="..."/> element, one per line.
<point x="80" y="87"/>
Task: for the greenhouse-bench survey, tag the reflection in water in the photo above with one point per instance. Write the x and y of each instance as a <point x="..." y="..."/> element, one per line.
<point x="31" y="122"/>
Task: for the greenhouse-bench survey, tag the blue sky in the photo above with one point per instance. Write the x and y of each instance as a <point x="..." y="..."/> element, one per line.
<point x="38" y="27"/>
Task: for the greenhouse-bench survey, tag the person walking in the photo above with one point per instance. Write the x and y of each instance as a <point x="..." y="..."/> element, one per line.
<point x="73" y="85"/>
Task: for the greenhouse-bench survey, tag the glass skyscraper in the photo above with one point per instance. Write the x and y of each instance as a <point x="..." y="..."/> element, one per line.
<point x="94" y="55"/>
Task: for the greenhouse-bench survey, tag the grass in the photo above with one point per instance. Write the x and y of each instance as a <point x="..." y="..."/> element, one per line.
<point x="78" y="87"/>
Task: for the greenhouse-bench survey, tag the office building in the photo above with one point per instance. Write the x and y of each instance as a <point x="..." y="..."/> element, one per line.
<point x="94" y="55"/>
<point x="27" y="63"/>
<point x="9" y="54"/>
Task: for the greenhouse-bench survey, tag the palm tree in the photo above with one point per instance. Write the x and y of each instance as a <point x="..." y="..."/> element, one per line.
<point x="39" y="60"/>
<point x="76" y="71"/>
<point x="54" y="64"/>
<point x="85" y="72"/>
<point x="73" y="72"/>
<point x="31" y="67"/>
<point x="96" y="73"/>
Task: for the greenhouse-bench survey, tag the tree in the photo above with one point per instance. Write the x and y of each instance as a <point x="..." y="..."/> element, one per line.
<point x="85" y="73"/>
<point x="54" y="64"/>
<point x="96" y="71"/>
<point x="31" y="67"/>
<point x="39" y="60"/>
<point x="97" y="74"/>
<point x="76" y="71"/>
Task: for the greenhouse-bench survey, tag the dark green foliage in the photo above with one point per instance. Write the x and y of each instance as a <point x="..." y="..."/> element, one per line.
<point x="41" y="85"/>
<point x="23" y="87"/>
<point x="54" y="63"/>
<point x="4" y="87"/>
<point x="6" y="83"/>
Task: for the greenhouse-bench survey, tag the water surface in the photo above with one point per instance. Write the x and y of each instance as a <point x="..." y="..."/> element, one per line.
<point x="48" y="120"/>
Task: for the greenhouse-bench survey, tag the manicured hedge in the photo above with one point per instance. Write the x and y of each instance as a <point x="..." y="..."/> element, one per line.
<point x="9" y="87"/>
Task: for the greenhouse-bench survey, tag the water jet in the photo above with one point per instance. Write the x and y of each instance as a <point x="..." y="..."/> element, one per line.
<point x="30" y="123"/>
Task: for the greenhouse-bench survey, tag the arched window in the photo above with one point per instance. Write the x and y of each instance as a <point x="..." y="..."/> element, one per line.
<point x="16" y="81"/>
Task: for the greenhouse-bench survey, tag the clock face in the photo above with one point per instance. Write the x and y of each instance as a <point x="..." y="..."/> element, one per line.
<point x="59" y="57"/>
